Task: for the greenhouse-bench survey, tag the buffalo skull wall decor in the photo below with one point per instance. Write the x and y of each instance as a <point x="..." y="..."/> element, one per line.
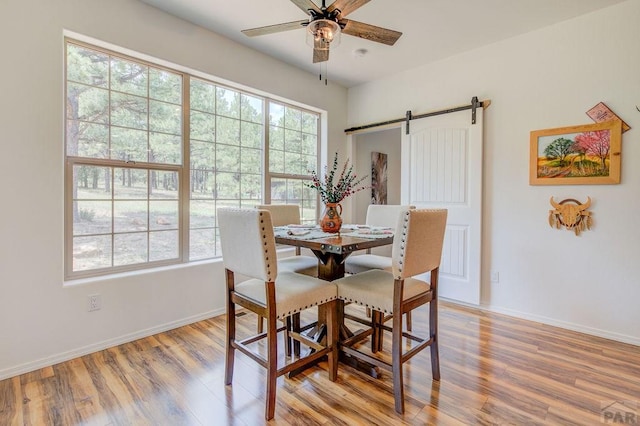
<point x="571" y="214"/>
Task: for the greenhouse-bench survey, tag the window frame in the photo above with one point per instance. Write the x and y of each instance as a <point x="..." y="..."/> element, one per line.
<point x="183" y="168"/>
<point x="277" y="175"/>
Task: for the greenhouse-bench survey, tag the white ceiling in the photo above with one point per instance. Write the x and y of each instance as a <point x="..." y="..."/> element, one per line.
<point x="432" y="29"/>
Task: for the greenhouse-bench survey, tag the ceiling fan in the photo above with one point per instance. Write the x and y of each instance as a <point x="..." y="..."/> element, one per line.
<point x="326" y="23"/>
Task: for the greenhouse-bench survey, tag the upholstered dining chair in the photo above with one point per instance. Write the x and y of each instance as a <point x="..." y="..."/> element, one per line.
<point x="282" y="215"/>
<point x="289" y="214"/>
<point x="378" y="215"/>
<point x="417" y="249"/>
<point x="248" y="248"/>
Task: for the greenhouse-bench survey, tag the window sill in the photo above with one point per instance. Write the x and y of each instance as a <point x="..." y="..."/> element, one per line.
<point x="73" y="282"/>
<point x="102" y="278"/>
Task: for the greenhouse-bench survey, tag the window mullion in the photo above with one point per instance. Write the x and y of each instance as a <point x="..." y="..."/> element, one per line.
<point x="185" y="175"/>
<point x="266" y="192"/>
<point x="101" y="162"/>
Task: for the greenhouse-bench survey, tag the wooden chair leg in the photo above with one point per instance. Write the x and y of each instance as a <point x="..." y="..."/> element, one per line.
<point x="230" y="350"/>
<point x="396" y="356"/>
<point x="433" y="331"/>
<point x="295" y="326"/>
<point x="287" y="339"/>
<point x="407" y="318"/>
<point x="260" y="328"/>
<point x="381" y="331"/>
<point x="231" y="332"/>
<point x="376" y="321"/>
<point x="333" y="332"/>
<point x="272" y="367"/>
<point x="272" y="351"/>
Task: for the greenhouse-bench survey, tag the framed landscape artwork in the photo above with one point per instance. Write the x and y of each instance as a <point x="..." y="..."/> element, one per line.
<point x="576" y="155"/>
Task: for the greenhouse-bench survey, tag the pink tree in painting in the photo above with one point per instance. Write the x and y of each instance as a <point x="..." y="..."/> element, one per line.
<point x="594" y="143"/>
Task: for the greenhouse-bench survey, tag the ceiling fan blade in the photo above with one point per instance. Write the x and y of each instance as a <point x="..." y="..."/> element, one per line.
<point x="270" y="29"/>
<point x="320" y="51"/>
<point x="305" y="5"/>
<point x="370" y="32"/>
<point x="346" y="6"/>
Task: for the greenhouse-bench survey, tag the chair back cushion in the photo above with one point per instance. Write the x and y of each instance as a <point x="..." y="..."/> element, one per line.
<point x="282" y="214"/>
<point x="248" y="244"/>
<point x="417" y="243"/>
<point x="385" y="214"/>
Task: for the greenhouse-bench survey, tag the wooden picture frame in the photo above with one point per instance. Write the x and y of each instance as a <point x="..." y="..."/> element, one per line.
<point x="576" y="155"/>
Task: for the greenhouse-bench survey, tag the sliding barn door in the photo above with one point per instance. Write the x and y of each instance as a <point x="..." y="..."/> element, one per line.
<point x="442" y="168"/>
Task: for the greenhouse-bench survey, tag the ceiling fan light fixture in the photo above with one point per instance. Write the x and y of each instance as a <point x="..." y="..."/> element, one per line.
<point x="323" y="32"/>
<point x="325" y="26"/>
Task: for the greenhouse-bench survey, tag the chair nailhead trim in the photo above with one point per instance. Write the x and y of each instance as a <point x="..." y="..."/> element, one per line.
<point x="264" y="238"/>
<point x="377" y="308"/>
<point x="294" y="311"/>
<point x="405" y="226"/>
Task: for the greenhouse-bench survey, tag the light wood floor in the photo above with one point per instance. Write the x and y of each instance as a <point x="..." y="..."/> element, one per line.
<point x="495" y="370"/>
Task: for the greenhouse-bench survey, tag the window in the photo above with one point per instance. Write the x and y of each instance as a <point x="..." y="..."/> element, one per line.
<point x="153" y="152"/>
<point x="226" y="152"/>
<point x="293" y="151"/>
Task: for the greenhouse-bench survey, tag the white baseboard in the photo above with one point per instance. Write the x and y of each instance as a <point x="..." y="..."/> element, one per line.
<point x="553" y="322"/>
<point x="95" y="347"/>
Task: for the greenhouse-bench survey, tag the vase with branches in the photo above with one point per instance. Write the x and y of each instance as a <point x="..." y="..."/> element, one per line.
<point x="334" y="188"/>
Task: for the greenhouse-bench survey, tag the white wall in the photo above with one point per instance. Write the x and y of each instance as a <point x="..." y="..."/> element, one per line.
<point x="386" y="142"/>
<point x="544" y="79"/>
<point x="42" y="321"/>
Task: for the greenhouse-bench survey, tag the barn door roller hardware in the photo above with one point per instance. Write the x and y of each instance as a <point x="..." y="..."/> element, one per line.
<point x="473" y="106"/>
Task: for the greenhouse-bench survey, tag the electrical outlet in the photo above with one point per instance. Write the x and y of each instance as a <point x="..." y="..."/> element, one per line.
<point x="495" y="277"/>
<point x="95" y="302"/>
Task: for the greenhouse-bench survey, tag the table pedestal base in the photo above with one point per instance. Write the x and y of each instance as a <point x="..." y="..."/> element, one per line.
<point x="318" y="334"/>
